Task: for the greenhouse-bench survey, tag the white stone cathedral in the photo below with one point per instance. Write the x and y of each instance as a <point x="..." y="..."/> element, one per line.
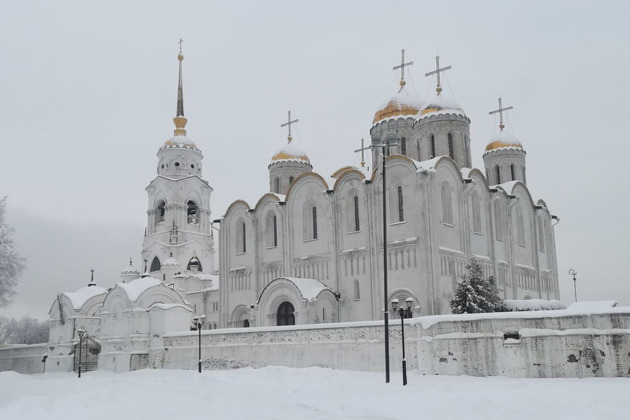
<point x="311" y="250"/>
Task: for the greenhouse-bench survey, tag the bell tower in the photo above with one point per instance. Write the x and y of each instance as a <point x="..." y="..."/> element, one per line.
<point x="178" y="215"/>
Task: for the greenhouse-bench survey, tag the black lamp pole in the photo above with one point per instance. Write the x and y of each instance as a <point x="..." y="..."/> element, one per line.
<point x="80" y="332"/>
<point x="199" y="323"/>
<point x="384" y="151"/>
<point x="573" y="273"/>
<point x="404" y="313"/>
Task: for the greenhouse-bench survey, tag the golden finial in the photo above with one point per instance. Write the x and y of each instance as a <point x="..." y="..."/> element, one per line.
<point x="179" y="120"/>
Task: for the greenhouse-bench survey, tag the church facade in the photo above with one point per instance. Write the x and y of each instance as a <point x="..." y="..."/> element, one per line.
<point x="310" y="250"/>
<point x="440" y="213"/>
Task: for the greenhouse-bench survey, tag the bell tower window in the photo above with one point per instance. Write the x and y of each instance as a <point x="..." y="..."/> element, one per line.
<point x="160" y="211"/>
<point x="192" y="212"/>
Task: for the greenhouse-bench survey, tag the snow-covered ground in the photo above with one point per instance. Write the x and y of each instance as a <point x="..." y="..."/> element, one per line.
<point x="312" y="393"/>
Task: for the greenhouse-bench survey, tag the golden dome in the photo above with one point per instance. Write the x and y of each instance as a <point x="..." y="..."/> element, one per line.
<point x="500" y="144"/>
<point x="285" y="156"/>
<point x="180" y="141"/>
<point x="394" y="109"/>
<point x="290" y="152"/>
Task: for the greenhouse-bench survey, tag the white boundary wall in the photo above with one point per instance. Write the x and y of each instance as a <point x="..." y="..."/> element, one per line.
<point x="537" y="344"/>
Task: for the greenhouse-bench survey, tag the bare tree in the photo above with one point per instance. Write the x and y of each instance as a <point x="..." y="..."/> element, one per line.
<point x="11" y="264"/>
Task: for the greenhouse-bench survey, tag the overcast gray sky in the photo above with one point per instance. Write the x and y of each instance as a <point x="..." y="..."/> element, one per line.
<point x="88" y="95"/>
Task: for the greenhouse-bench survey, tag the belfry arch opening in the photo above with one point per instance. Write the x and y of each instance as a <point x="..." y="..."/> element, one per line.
<point x="192" y="212"/>
<point x="160" y="211"/>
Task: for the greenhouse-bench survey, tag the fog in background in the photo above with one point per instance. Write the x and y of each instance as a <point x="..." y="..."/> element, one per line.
<point x="89" y="88"/>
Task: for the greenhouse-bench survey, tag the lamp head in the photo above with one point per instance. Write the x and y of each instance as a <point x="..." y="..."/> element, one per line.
<point x="395" y="302"/>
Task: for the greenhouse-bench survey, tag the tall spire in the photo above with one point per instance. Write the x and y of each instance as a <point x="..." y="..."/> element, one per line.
<point x="179" y="120"/>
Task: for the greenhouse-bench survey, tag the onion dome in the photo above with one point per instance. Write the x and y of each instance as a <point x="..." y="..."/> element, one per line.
<point x="403" y="103"/>
<point x="171" y="262"/>
<point x="440" y="105"/>
<point x="290" y="152"/>
<point x="503" y="140"/>
<point x="129" y="270"/>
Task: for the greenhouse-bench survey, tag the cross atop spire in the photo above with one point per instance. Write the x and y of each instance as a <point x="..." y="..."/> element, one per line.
<point x="437" y="71"/>
<point x="500" y="111"/>
<point x="288" y="123"/>
<point x="402" y="68"/>
<point x="179" y="120"/>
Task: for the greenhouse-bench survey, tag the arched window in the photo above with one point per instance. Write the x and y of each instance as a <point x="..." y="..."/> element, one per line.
<point x="512" y="172"/>
<point x="403" y="146"/>
<point x="241" y="232"/>
<point x="160" y="211"/>
<point x="314" y="222"/>
<point x="520" y="227"/>
<point x="447" y="206"/>
<point x="541" y="234"/>
<point x="357" y="290"/>
<point x="192" y="212"/>
<point x="476" y="212"/>
<point x="285" y="315"/>
<point x="290" y="180"/>
<point x="451" y="151"/>
<point x="498" y="220"/>
<point x="155" y="264"/>
<point x="271" y="226"/>
<point x="357" y="224"/>
<point x="432" y="146"/>
<point x="246" y="323"/>
<point x="498" y="169"/>
<point x="276" y="185"/>
<point x="401" y="205"/>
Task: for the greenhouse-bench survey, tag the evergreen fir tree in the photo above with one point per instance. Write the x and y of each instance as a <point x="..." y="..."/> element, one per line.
<point x="474" y="294"/>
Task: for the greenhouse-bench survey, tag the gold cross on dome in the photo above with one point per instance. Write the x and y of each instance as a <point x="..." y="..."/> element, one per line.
<point x="402" y="68"/>
<point x="437" y="71"/>
<point x="362" y="150"/>
<point x="500" y="111"/>
<point x="288" y="123"/>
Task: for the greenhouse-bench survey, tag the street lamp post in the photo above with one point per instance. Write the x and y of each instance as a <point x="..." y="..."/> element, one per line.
<point x="80" y="332"/>
<point x="198" y="320"/>
<point x="384" y="151"/>
<point x="573" y="273"/>
<point x="404" y="313"/>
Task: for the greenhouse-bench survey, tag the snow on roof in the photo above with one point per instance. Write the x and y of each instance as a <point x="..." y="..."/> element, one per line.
<point x="84" y="294"/>
<point x="309" y="288"/>
<point x="505" y="137"/>
<point x="533" y="305"/>
<point x="440" y="105"/>
<point x="128" y="269"/>
<point x="591" y="305"/>
<point x="167" y="306"/>
<point x="507" y="186"/>
<point x="171" y="262"/>
<point x="404" y="96"/>
<point x="427" y="165"/>
<point x="134" y="288"/>
<point x="180" y="141"/>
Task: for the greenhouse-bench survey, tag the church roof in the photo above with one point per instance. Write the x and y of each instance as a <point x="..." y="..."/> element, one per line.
<point x="503" y="140"/>
<point x="403" y="103"/>
<point x="290" y="152"/>
<point x="84" y="294"/>
<point x="309" y="288"/>
<point x="135" y="288"/>
<point x="440" y="105"/>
